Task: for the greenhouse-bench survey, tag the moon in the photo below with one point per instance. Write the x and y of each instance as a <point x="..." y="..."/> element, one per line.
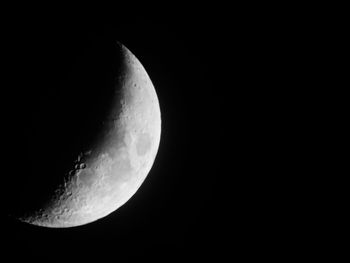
<point x="107" y="174"/>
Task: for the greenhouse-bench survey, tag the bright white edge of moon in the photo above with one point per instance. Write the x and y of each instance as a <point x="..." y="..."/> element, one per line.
<point x="107" y="176"/>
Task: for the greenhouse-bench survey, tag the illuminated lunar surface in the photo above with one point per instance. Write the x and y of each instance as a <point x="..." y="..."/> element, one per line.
<point x="107" y="175"/>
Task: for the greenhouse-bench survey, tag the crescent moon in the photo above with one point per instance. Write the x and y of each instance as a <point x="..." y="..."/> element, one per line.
<point x="105" y="177"/>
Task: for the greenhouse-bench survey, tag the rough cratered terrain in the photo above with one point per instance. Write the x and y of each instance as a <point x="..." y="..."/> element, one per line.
<point x="108" y="173"/>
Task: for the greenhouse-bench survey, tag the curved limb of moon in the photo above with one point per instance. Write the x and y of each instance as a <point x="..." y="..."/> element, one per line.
<point x="109" y="174"/>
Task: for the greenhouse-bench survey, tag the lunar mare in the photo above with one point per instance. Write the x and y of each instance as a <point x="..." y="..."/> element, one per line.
<point x="109" y="174"/>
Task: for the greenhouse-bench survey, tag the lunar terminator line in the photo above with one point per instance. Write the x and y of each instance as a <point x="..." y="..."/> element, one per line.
<point x="107" y="175"/>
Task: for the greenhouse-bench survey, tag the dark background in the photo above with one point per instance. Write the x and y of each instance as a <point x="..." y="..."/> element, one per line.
<point x="234" y="88"/>
<point x="175" y="214"/>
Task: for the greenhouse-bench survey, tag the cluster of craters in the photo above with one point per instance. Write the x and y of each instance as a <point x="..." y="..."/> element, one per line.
<point x="79" y="163"/>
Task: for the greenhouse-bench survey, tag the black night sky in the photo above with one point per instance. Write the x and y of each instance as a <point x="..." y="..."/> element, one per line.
<point x="236" y="88"/>
<point x="174" y="214"/>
